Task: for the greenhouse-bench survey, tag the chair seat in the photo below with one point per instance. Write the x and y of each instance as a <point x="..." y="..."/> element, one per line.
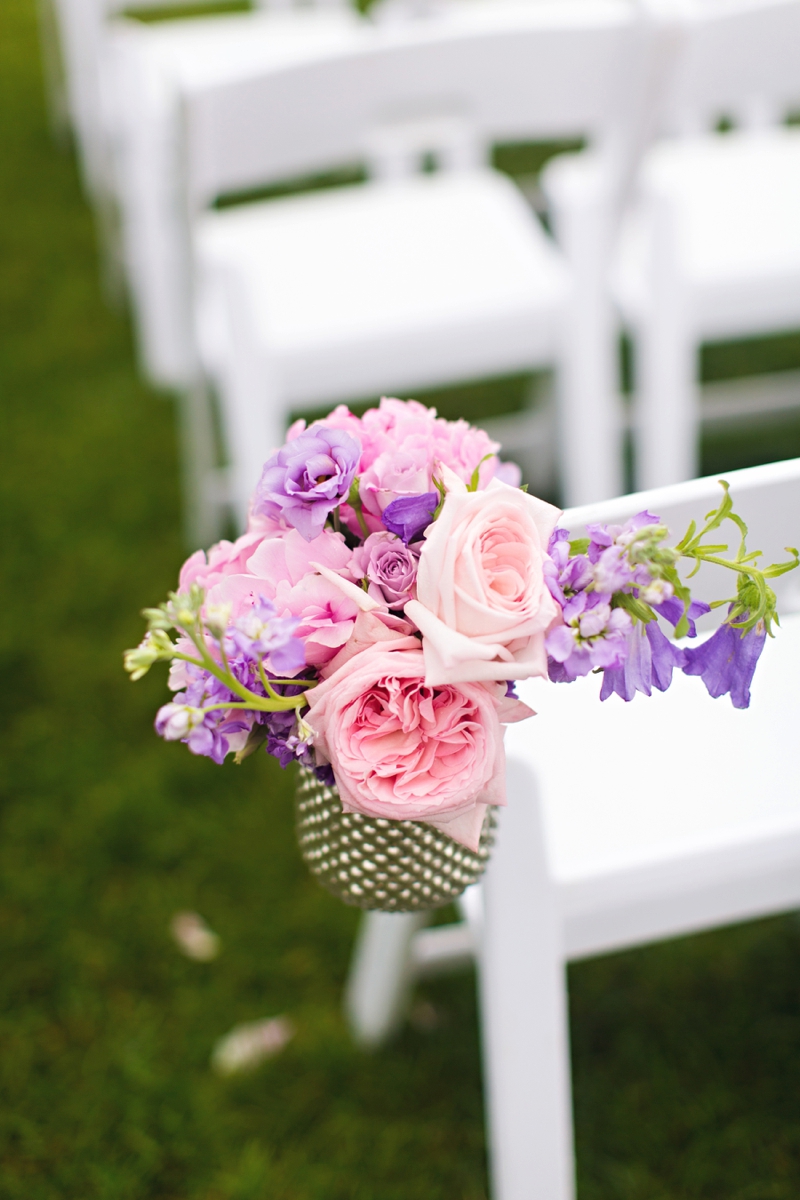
<point x="735" y="201"/>
<point x="648" y="804"/>
<point x="362" y="289"/>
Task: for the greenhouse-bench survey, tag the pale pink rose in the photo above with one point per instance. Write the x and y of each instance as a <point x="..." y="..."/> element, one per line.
<point x="395" y="473"/>
<point x="482" y="604"/>
<point x="402" y="750"/>
<point x="225" y="558"/>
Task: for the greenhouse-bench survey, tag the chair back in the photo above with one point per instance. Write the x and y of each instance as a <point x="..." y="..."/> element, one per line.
<point x="740" y="62"/>
<point x="766" y="497"/>
<point x="504" y="70"/>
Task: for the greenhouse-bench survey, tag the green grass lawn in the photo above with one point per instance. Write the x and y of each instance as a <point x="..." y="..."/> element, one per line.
<point x="686" y="1055"/>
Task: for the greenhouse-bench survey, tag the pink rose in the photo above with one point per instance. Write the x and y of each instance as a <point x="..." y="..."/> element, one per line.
<point x="482" y="604"/>
<point x="393" y="474"/>
<point x="403" y="750"/>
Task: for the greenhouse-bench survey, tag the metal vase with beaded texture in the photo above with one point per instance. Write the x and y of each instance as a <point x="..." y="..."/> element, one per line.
<point x="369" y="862"/>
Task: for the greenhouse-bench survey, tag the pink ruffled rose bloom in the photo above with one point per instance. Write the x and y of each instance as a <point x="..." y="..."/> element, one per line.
<point x="403" y="750"/>
<point x="482" y="604"/>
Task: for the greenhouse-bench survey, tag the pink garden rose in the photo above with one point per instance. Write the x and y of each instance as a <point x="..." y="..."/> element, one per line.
<point x="482" y="604"/>
<point x="403" y="750"/>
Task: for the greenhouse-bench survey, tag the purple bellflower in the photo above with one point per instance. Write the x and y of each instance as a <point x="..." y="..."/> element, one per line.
<point x="650" y="660"/>
<point x="307" y="478"/>
<point x="409" y="516"/>
<point x="727" y="660"/>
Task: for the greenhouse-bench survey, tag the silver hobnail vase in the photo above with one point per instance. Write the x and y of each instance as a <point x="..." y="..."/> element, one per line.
<point x="369" y="862"/>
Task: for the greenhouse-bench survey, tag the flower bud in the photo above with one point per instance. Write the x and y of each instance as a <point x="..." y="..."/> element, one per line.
<point x="176" y="721"/>
<point x="155" y="646"/>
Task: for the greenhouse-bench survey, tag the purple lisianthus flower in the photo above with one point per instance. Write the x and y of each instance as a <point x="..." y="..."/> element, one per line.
<point x="649" y="662"/>
<point x="593" y="635"/>
<point x="409" y="516"/>
<point x="388" y="565"/>
<point x="307" y="478"/>
<point x="261" y="633"/>
<point x="727" y="661"/>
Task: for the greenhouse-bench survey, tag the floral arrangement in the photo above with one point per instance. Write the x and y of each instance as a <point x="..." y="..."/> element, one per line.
<point x="394" y="582"/>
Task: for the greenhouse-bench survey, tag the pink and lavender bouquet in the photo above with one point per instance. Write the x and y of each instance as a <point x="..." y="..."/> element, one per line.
<point x="393" y="584"/>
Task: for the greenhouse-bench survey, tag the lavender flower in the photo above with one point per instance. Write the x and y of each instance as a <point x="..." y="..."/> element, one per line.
<point x="593" y="635"/>
<point x="409" y="516"/>
<point x="309" y="477"/>
<point x="727" y="661"/>
<point x="648" y="663"/>
<point x="205" y="733"/>
<point x="616" y="566"/>
<point x="261" y="633"/>
<point x="565" y="575"/>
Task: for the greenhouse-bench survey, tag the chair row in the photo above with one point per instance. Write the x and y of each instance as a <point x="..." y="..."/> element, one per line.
<point x="411" y="280"/>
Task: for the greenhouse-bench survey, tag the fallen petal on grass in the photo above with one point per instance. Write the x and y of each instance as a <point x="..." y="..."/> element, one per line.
<point x="249" y="1044"/>
<point x="193" y="937"/>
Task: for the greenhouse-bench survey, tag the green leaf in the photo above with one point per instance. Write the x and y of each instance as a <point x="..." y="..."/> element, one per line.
<point x="255" y="738"/>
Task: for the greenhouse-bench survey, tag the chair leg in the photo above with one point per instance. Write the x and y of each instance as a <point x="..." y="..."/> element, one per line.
<point x="202" y="510"/>
<point x="380" y="975"/>
<point x="588" y="409"/>
<point x="667" y="409"/>
<point x="522" y="985"/>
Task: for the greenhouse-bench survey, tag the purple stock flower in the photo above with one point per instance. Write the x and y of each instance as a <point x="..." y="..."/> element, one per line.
<point x="260" y="632"/>
<point x="389" y="566"/>
<point x="307" y="478"/>
<point x="726" y="661"/>
<point x="409" y="516"/>
<point x="603" y="536"/>
<point x="593" y="635"/>
<point x="650" y="660"/>
<point x="565" y="575"/>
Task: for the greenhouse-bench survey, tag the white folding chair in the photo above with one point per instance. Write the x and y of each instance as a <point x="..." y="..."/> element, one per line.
<point x="414" y="280"/>
<point x="625" y="824"/>
<point x="120" y="76"/>
<point x="712" y="249"/>
<point x="153" y="64"/>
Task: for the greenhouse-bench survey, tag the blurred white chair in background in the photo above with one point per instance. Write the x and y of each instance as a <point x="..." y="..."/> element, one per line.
<point x="153" y="65"/>
<point x="415" y="280"/>
<point x="712" y="249"/>
<point x="626" y="824"/>
<point x="117" y="73"/>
